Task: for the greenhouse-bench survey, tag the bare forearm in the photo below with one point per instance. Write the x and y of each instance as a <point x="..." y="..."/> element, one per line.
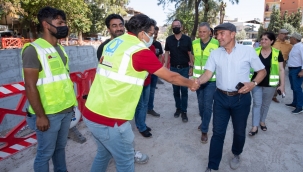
<point x="33" y="97"/>
<point x="282" y="78"/>
<point x="205" y="77"/>
<point x="177" y="79"/>
<point x="165" y="58"/>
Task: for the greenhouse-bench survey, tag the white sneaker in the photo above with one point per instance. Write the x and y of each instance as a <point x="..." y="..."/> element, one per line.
<point x="235" y="162"/>
<point x="141" y="158"/>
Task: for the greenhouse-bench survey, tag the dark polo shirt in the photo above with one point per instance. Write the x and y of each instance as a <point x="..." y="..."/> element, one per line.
<point x="178" y="49"/>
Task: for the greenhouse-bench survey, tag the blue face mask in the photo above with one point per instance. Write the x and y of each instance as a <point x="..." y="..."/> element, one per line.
<point x="150" y="42"/>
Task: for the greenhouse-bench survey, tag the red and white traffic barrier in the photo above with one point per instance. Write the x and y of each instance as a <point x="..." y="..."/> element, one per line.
<point x="13" y="88"/>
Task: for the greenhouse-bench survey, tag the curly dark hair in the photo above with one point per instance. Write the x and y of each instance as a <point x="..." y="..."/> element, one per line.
<point x="112" y="16"/>
<point x="49" y="13"/>
<point x="139" y="23"/>
<point x="270" y="35"/>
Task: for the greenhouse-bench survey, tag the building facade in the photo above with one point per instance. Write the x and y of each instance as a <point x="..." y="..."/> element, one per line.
<point x="283" y="5"/>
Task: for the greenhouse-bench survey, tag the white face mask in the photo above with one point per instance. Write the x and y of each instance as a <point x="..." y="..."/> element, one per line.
<point x="150" y="42"/>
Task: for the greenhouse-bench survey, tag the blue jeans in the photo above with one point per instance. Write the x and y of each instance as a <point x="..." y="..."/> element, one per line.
<point x="154" y="79"/>
<point x="141" y="110"/>
<point x="295" y="85"/>
<point x="237" y="107"/>
<point x="181" y="100"/>
<point x="51" y="143"/>
<point x="205" y="96"/>
<point x="262" y="97"/>
<point x="116" y="142"/>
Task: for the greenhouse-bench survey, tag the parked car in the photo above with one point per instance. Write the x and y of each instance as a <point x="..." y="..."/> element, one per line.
<point x="246" y="42"/>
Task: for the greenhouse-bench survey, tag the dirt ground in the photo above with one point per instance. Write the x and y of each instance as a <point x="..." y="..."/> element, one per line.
<point x="176" y="147"/>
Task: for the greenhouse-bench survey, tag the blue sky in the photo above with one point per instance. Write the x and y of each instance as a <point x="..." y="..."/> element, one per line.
<point x="245" y="10"/>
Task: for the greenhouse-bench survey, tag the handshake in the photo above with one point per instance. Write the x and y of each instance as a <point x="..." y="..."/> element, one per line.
<point x="195" y="84"/>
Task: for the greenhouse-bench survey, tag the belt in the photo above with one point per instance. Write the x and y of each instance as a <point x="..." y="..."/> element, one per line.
<point x="294" y="67"/>
<point x="233" y="93"/>
<point x="180" y="66"/>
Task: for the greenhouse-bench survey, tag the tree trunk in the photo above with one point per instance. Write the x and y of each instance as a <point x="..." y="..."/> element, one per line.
<point x="80" y="37"/>
<point x="206" y="10"/>
<point x="196" y="21"/>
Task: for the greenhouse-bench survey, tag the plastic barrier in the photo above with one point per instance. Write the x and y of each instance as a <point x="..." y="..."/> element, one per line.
<point x="10" y="143"/>
<point x="8" y="43"/>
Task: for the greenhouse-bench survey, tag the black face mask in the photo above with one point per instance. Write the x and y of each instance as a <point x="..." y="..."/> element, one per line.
<point x="62" y="31"/>
<point x="176" y="30"/>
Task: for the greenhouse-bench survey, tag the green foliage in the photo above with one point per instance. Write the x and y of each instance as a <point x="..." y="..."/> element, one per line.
<point x="260" y="32"/>
<point x="295" y="19"/>
<point x="241" y="35"/>
<point x="100" y="9"/>
<point x="206" y="10"/>
<point x="289" y="27"/>
<point x="291" y="22"/>
<point x="275" y="21"/>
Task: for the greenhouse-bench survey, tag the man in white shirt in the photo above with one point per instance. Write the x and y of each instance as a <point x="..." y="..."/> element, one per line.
<point x="295" y="66"/>
<point x="232" y="63"/>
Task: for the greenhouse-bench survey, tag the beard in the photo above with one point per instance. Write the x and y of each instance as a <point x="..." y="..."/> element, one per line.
<point x="117" y="33"/>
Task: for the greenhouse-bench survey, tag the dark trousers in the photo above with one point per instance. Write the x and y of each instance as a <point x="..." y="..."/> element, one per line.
<point x="237" y="107"/>
<point x="295" y="85"/>
<point x="153" y="83"/>
<point x="181" y="100"/>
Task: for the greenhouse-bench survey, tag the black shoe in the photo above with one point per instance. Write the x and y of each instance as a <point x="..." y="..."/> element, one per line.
<point x="149" y="129"/>
<point x="146" y="133"/>
<point x="252" y="133"/>
<point x="177" y="113"/>
<point x="297" y="111"/>
<point x="153" y="113"/>
<point x="184" y="117"/>
<point x="264" y="128"/>
<point x="290" y="105"/>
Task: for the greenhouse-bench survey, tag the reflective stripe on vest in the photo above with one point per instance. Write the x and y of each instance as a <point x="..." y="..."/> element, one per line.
<point x="54" y="85"/>
<point x="201" y="56"/>
<point x="120" y="77"/>
<point x="117" y="86"/>
<point x="274" y="68"/>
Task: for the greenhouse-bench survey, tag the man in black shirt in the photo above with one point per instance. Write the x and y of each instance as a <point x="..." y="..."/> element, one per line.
<point x="115" y="27"/>
<point x="178" y="46"/>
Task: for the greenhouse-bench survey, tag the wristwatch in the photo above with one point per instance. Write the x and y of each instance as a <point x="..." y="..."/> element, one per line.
<point x="190" y="66"/>
<point x="255" y="83"/>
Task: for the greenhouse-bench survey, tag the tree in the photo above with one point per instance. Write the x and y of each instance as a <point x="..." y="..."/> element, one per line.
<point x="260" y="32"/>
<point x="197" y="5"/>
<point x="100" y="9"/>
<point x="275" y="23"/>
<point x="285" y="17"/>
<point x="241" y="35"/>
<point x="289" y="27"/>
<point x="295" y="19"/>
<point x="187" y="17"/>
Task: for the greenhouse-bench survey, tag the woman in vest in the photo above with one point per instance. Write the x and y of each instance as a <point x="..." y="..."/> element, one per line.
<point x="263" y="92"/>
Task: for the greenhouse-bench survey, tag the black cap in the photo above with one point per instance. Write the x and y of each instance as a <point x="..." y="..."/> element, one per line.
<point x="226" y="26"/>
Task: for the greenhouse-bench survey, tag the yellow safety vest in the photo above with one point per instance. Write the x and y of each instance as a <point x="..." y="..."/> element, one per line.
<point x="117" y="87"/>
<point x="274" y="69"/>
<point x="201" y="56"/>
<point x="54" y="85"/>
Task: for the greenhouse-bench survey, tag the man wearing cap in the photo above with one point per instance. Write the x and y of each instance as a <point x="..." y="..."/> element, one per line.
<point x="232" y="63"/>
<point x="295" y="66"/>
<point x="285" y="47"/>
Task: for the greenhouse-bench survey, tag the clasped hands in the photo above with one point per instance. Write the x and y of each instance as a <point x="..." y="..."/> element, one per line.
<point x="195" y="85"/>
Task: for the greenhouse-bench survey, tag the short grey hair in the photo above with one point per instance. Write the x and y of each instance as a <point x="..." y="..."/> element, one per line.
<point x="204" y="24"/>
